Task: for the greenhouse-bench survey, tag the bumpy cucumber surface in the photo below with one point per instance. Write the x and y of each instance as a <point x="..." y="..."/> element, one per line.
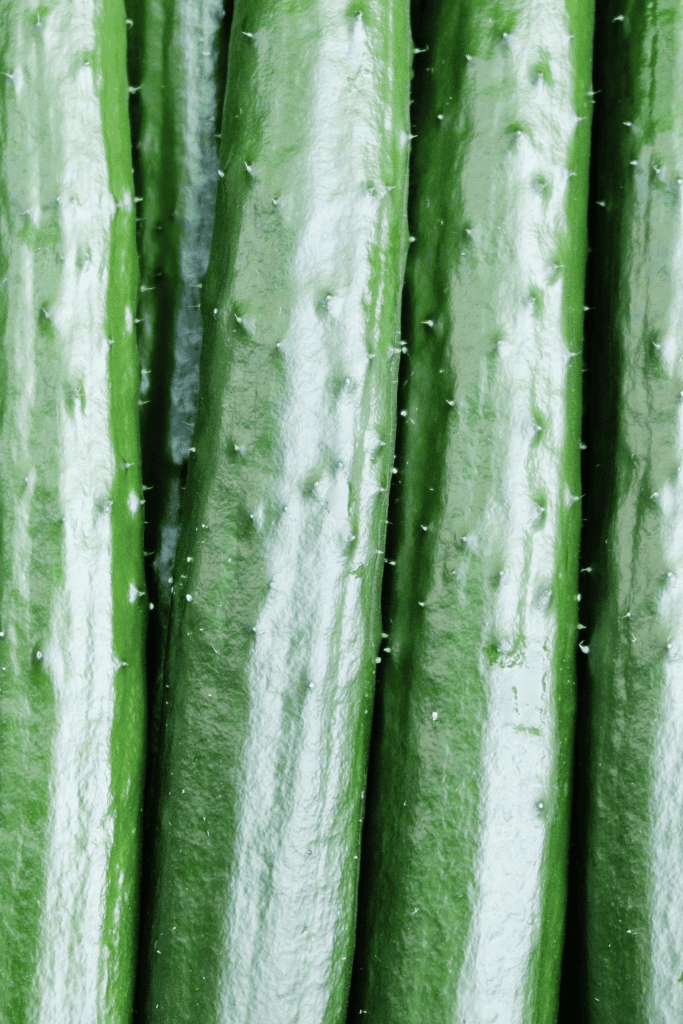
<point x="462" y="900"/>
<point x="633" y="775"/>
<point x="72" y="611"/>
<point x="276" y="619"/>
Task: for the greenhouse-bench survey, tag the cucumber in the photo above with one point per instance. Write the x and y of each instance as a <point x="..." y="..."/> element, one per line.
<point x="72" y="608"/>
<point x="275" y="621"/>
<point x="463" y="892"/>
<point x="632" y="775"/>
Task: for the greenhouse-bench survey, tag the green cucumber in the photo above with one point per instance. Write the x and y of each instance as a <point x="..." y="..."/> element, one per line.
<point x="632" y="777"/>
<point x="72" y="613"/>
<point x="462" y="896"/>
<point x="275" y="621"/>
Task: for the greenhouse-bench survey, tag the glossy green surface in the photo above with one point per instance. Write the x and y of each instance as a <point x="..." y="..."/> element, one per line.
<point x="462" y="899"/>
<point x="72" y="615"/>
<point x="276" y="618"/>
<point x="634" y="595"/>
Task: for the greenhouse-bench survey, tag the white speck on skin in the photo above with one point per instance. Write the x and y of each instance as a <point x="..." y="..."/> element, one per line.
<point x="435" y="715"/>
<point x="134" y="503"/>
<point x="188" y="597"/>
<point x="39" y="655"/>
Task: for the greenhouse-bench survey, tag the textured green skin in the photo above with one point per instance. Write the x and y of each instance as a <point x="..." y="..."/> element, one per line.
<point x="462" y="899"/>
<point x="634" y="601"/>
<point x="72" y="707"/>
<point x="271" y="665"/>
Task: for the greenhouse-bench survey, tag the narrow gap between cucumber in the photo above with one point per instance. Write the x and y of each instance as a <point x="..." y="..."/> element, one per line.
<point x="572" y="1007"/>
<point x="393" y="511"/>
<point x="156" y="459"/>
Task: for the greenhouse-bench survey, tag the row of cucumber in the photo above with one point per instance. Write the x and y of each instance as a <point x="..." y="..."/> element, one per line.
<point x="371" y="595"/>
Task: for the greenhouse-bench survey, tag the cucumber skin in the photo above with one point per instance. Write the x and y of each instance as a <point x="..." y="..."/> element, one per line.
<point x="632" y="779"/>
<point x="72" y="721"/>
<point x="462" y="896"/>
<point x="261" y="808"/>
